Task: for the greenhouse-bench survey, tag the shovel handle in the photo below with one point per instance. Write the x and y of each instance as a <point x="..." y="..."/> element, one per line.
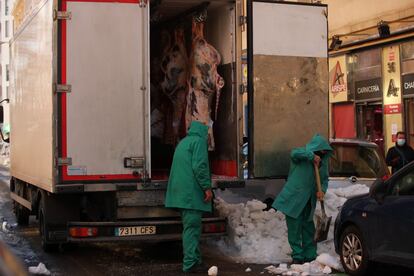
<point x="318" y="178"/>
<point x="319" y="187"/>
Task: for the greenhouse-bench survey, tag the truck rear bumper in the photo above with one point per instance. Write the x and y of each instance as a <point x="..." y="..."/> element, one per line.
<point x="148" y="230"/>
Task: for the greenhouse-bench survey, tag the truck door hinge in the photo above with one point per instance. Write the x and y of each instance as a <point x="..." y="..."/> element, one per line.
<point x="143" y="3"/>
<point x="242" y="20"/>
<point x="63" y="88"/>
<point x="64" y="161"/>
<point x="62" y="15"/>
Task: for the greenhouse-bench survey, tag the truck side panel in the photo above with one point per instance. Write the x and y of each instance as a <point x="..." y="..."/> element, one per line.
<point x="106" y="110"/>
<point x="31" y="100"/>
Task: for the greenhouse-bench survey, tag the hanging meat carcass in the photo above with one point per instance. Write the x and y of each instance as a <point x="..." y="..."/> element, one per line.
<point x="175" y="68"/>
<point x="205" y="82"/>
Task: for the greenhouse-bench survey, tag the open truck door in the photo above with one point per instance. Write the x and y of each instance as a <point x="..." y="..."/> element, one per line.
<point x="103" y="90"/>
<point x="287" y="82"/>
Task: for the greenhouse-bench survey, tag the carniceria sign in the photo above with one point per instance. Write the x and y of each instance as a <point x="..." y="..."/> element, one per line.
<point x="368" y="89"/>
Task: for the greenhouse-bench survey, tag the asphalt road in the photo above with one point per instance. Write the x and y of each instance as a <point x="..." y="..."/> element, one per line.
<point x="106" y="258"/>
<point x="130" y="258"/>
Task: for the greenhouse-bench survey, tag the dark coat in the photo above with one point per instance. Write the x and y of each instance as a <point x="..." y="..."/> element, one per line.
<point x="398" y="157"/>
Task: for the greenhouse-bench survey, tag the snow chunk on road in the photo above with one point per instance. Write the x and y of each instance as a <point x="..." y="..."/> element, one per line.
<point x="328" y="260"/>
<point x="212" y="271"/>
<point x="258" y="236"/>
<point x="327" y="270"/>
<point x="39" y="270"/>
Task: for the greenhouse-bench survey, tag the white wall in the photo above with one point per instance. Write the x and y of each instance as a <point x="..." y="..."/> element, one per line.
<point x="347" y="16"/>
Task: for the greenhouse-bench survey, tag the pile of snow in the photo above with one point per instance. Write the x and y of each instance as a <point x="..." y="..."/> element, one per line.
<point x="258" y="236"/>
<point x="313" y="268"/>
<point x="39" y="270"/>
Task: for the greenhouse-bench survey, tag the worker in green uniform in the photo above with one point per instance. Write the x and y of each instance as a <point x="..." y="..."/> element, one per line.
<point x="189" y="190"/>
<point x="298" y="198"/>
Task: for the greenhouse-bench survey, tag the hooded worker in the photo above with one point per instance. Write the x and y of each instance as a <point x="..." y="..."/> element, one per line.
<point x="189" y="190"/>
<point x="298" y="198"/>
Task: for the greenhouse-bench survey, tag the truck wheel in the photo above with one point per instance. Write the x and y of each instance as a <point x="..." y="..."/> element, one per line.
<point x="43" y="230"/>
<point x="353" y="252"/>
<point x="22" y="214"/>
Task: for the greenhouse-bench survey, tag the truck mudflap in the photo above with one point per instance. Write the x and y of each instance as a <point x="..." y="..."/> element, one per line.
<point x="148" y="230"/>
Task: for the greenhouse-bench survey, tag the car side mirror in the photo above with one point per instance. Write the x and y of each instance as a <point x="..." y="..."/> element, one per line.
<point x="378" y="190"/>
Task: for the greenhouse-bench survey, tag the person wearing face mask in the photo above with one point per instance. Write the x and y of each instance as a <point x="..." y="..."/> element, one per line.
<point x="298" y="198"/>
<point x="401" y="154"/>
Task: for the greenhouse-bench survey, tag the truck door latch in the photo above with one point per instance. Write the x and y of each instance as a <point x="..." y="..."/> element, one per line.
<point x="64" y="161"/>
<point x="63" y="88"/>
<point x="134" y="162"/>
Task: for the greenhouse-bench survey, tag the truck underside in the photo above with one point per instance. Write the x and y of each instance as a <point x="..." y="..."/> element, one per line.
<point x="103" y="216"/>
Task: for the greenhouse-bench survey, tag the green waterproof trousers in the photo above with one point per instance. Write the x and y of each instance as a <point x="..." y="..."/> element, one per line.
<point x="191" y="237"/>
<point x="301" y="232"/>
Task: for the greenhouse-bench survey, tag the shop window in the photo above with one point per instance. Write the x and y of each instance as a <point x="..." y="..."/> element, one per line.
<point x="364" y="65"/>
<point x="7" y="73"/>
<point x="409" y="120"/>
<point x="407" y="57"/>
<point x="407" y="72"/>
<point x="6" y="7"/>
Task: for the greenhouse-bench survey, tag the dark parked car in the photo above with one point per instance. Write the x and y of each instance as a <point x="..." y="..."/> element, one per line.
<point x="379" y="226"/>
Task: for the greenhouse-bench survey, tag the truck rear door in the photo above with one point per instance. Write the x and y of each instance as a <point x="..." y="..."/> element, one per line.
<point x="287" y="81"/>
<point x="103" y="102"/>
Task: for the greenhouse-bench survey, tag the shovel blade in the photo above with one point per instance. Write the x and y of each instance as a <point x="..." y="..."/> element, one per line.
<point x="322" y="228"/>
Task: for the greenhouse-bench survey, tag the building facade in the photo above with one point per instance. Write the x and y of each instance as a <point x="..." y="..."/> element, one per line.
<point x="372" y="70"/>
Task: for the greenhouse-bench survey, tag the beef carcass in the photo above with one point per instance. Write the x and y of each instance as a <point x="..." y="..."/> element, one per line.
<point x="175" y="68"/>
<point x="204" y="82"/>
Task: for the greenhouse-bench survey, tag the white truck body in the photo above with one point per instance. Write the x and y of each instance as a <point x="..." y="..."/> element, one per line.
<point x="80" y="103"/>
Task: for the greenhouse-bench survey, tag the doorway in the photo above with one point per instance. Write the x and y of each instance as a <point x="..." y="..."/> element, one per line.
<point x="370" y="123"/>
<point x="409" y="120"/>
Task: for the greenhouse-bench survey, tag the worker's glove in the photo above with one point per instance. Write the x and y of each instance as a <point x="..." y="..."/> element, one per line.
<point x="320" y="196"/>
<point x="316" y="160"/>
<point x="208" y="195"/>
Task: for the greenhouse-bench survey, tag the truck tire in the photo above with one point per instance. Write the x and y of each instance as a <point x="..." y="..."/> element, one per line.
<point x="47" y="246"/>
<point x="22" y="214"/>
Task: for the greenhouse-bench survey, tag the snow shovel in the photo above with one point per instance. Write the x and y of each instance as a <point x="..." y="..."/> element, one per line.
<point x="322" y="222"/>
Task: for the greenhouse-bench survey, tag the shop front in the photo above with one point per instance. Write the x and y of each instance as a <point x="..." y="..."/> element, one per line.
<point x="393" y="121"/>
<point x="407" y="72"/>
<point x="342" y="110"/>
<point x="365" y="78"/>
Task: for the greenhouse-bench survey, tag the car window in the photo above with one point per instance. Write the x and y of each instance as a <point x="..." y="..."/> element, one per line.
<point x="404" y="185"/>
<point x="356" y="160"/>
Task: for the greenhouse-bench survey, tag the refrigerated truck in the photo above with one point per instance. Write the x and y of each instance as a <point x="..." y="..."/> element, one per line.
<point x="81" y="154"/>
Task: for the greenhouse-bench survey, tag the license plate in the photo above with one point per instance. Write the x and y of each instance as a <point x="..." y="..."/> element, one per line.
<point x="135" y="230"/>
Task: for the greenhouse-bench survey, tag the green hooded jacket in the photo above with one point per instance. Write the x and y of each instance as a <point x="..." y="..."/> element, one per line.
<point x="301" y="183"/>
<point x="190" y="172"/>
